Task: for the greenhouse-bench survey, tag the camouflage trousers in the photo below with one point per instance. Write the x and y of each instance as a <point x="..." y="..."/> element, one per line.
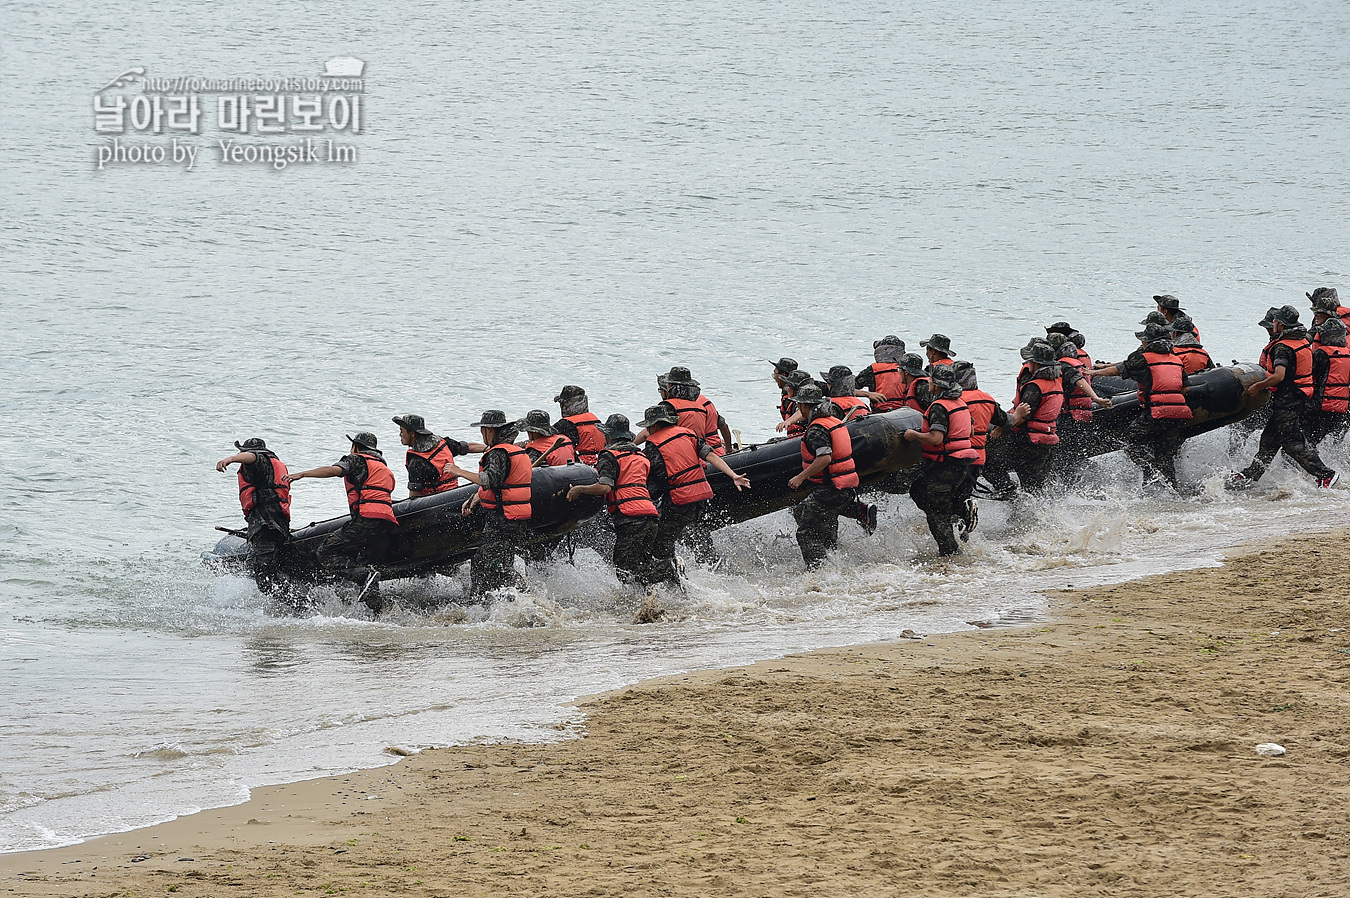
<point x="941" y="493"/>
<point x="1284" y="432"/>
<point x="818" y="520"/>
<point x="494" y="564"/>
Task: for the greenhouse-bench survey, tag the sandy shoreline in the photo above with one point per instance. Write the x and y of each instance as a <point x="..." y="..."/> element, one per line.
<point x="1108" y="752"/>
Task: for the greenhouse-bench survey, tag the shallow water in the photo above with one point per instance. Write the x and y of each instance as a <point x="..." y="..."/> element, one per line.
<point x="553" y="194"/>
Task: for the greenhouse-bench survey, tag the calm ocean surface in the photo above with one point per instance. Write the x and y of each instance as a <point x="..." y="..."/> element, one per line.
<point x="589" y="193"/>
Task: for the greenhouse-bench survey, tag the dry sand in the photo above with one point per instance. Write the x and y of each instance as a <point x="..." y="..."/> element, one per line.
<point x="1110" y="752"/>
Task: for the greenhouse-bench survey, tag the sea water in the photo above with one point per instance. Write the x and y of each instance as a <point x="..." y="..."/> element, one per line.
<point x="590" y="193"/>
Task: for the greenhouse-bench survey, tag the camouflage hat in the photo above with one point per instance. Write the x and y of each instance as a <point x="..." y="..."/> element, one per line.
<point x="836" y="374"/>
<point x="1154" y="317"/>
<point x="785" y="365"/>
<point x="1287" y="315"/>
<point x="1066" y="349"/>
<point x="939" y="343"/>
<point x="1325" y="299"/>
<point x="493" y="417"/>
<point x="889" y="340"/>
<point x="1078" y="339"/>
<point x="945" y="382"/>
<point x="1042" y="353"/>
<point x="1182" y="324"/>
<point x="617" y="429"/>
<point x="365" y="439"/>
<point x="1060" y="327"/>
<point x="680" y="375"/>
<point x="965" y="374"/>
<point x="1056" y="340"/>
<point x="661" y="413"/>
<point x="537" y="422"/>
<point x="415" y="423"/>
<point x="797" y="379"/>
<point x="1152" y="333"/>
<point x="569" y="392"/>
<point x="1025" y="351"/>
<point x="810" y="395"/>
<point x="1267" y="321"/>
<point x="1167" y="302"/>
<point x="912" y="364"/>
<point x="250" y="444"/>
<point x="1332" y="332"/>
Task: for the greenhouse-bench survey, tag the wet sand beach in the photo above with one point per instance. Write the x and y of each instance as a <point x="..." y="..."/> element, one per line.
<point x="1109" y="751"/>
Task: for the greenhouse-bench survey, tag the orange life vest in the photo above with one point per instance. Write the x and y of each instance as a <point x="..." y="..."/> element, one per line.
<point x="1194" y="359"/>
<point x="440" y="457"/>
<point x="956" y="444"/>
<point x="1040" y="427"/>
<point x="629" y="496"/>
<point x="981" y="406"/>
<point x="786" y="407"/>
<point x="1164" y="399"/>
<point x="1336" y="389"/>
<point x="588" y="432"/>
<point x="515" y="498"/>
<point x="846" y="403"/>
<point x="1344" y="314"/>
<point x="374" y="497"/>
<point x="685" y="477"/>
<point x="692" y="416"/>
<point x="556" y="449"/>
<point x="1080" y="404"/>
<point x="712" y="436"/>
<point x="889" y="383"/>
<point x="841" y="473"/>
<point x="249" y="493"/>
<point x="912" y="394"/>
<point x="1302" y="363"/>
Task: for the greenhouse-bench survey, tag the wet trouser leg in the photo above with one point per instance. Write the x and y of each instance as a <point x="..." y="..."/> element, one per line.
<point x="633" y="541"/>
<point x="674" y="518"/>
<point x="494" y="564"/>
<point x="349" y="551"/>
<point x="1153" y="444"/>
<point x="999" y="461"/>
<point x="1033" y="464"/>
<point x="265" y="542"/>
<point x="818" y="520"/>
<point x="1284" y="431"/>
<point x="940" y="492"/>
<point x="1321" y="425"/>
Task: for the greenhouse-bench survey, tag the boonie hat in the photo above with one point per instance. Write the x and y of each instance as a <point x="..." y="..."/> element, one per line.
<point x="1287" y="315"/>
<point x="415" y="423"/>
<point x="1042" y="353"/>
<point x="537" y="422"/>
<point x="1060" y="327"/>
<point x="250" y="443"/>
<point x="661" y="413"/>
<point x="364" y="438"/>
<point x="680" y="375"/>
<point x="965" y="375"/>
<point x="1154" y="317"/>
<point x="837" y="373"/>
<point x="1168" y="301"/>
<point x="785" y="365"/>
<point x="617" y="428"/>
<point x="1267" y="321"/>
<point x="569" y="392"/>
<point x="810" y="395"/>
<point x="912" y="364"/>
<point x="493" y="417"/>
<point x="939" y="343"/>
<point x="1325" y="299"/>
<point x="1152" y="333"/>
<point x="889" y="340"/>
